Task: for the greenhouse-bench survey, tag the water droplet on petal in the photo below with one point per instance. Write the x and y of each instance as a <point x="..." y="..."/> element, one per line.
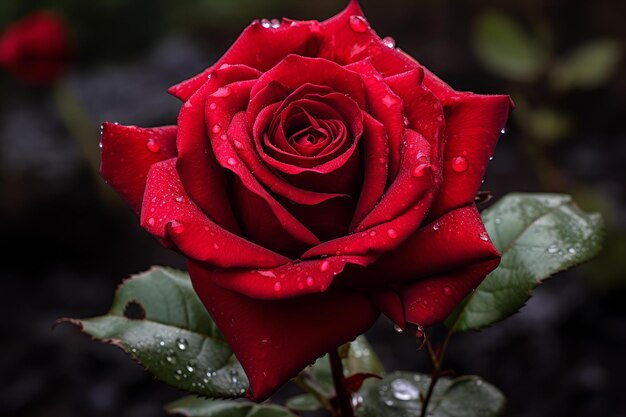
<point x="232" y="162"/>
<point x="358" y="24"/>
<point x="216" y="128"/>
<point x="179" y="198"/>
<point x="503" y="131"/>
<point x="373" y="233"/>
<point x="483" y="236"/>
<point x="177" y="227"/>
<point x="224" y="137"/>
<point x="266" y="23"/>
<point x="389" y="42"/>
<point x="310" y="281"/>
<point x="459" y="164"/>
<point x="403" y="390"/>
<point x="181" y="343"/>
<point x="324" y="266"/>
<point x="275" y="23"/>
<point x="222" y="92"/>
<point x="153" y="145"/>
<point x="436" y="226"/>
<point x="419" y="170"/>
<point x="213" y="106"/>
<point x="447" y="290"/>
<point x="151" y="221"/>
<point x="277" y="286"/>
<point x="392" y="233"/>
<point x="397" y="329"/>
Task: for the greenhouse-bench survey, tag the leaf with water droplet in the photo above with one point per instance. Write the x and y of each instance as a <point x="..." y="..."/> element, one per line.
<point x="193" y="406"/>
<point x="174" y="338"/>
<point x="304" y="402"/>
<point x="398" y="395"/>
<point x="534" y="233"/>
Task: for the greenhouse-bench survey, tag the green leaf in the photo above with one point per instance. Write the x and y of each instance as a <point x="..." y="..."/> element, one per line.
<point x="538" y="235"/>
<point x="361" y="359"/>
<point x="158" y="319"/>
<point x="400" y="394"/>
<point x="549" y="125"/>
<point x="304" y="402"/>
<point x="588" y="66"/>
<point x="504" y="48"/>
<point x="199" y="407"/>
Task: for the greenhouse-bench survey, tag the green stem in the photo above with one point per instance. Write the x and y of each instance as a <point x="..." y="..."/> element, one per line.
<point x="344" y="399"/>
<point x="308" y="387"/>
<point x="437" y="360"/>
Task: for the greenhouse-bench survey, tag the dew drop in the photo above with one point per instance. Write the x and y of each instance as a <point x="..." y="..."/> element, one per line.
<point x="277" y="286"/>
<point x="275" y="23"/>
<point x="572" y="251"/>
<point x="181" y="343"/>
<point x="170" y="359"/>
<point x="177" y="227"/>
<point x="498" y="220"/>
<point x="419" y="170"/>
<point x="553" y="249"/>
<point x="397" y="329"/>
<point x="179" y="198"/>
<point x="373" y="233"/>
<point x="436" y="226"/>
<point x="232" y="162"/>
<point x="222" y="92"/>
<point x="389" y="42"/>
<point x="392" y="233"/>
<point x="447" y="290"/>
<point x="459" y="164"/>
<point x="310" y="281"/>
<point x="190" y="366"/>
<point x="213" y="106"/>
<point x="483" y="236"/>
<point x="358" y="24"/>
<point x="216" y="128"/>
<point x="224" y="137"/>
<point x="266" y="23"/>
<point x="503" y="131"/>
<point x="151" y="221"/>
<point x="238" y="144"/>
<point x="403" y="390"/>
<point x="153" y="145"/>
<point x="324" y="266"/>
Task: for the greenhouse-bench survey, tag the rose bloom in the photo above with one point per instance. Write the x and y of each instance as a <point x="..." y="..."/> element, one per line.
<point x="36" y="49"/>
<point x="316" y="178"/>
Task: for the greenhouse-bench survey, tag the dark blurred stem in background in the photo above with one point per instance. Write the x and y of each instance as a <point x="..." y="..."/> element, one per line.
<point x="81" y="128"/>
<point x="344" y="399"/>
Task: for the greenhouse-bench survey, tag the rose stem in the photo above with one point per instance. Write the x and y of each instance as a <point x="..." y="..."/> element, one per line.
<point x="343" y="396"/>
<point x="307" y="386"/>
<point x="436" y="358"/>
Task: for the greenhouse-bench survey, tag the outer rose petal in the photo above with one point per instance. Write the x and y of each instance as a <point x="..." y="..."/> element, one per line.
<point x="259" y="48"/>
<point x="473" y="125"/>
<point x="168" y="212"/>
<point x="128" y="152"/>
<point x="431" y="300"/>
<point x="274" y="340"/>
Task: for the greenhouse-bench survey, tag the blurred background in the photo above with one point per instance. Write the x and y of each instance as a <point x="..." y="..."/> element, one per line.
<point x="67" y="240"/>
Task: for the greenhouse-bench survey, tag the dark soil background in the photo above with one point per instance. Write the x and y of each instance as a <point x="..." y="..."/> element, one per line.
<point x="67" y="241"/>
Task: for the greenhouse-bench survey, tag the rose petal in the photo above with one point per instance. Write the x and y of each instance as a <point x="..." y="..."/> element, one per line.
<point x="168" y="212"/>
<point x="128" y="152"/>
<point x="453" y="241"/>
<point x="259" y="48"/>
<point x="473" y="125"/>
<point x="431" y="300"/>
<point x="274" y="340"/>
<point x="293" y="279"/>
<point x="197" y="166"/>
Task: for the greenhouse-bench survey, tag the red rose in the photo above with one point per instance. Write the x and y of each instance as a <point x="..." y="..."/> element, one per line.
<point x="35" y="49"/>
<point x="317" y="177"/>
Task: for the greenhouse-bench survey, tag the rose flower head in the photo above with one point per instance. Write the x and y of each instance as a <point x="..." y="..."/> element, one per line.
<point x="36" y="49"/>
<point x="316" y="178"/>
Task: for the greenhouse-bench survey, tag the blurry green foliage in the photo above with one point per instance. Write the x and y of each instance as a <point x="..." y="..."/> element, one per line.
<point x="588" y="66"/>
<point x="507" y="50"/>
